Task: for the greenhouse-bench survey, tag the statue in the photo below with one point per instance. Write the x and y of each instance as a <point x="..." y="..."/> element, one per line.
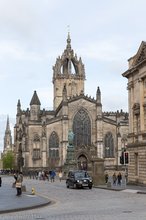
<point x="70" y="138"/>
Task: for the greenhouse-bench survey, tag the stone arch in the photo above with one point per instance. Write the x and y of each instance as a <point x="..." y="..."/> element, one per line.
<point x="82" y="162"/>
<point x="109" y="145"/>
<point x="69" y="66"/>
<point x="82" y="128"/>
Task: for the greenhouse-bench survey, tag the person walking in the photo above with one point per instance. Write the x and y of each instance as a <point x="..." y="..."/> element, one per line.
<point x="114" y="179"/>
<point x="19" y="184"/>
<point x="106" y="177"/>
<point x="52" y="176"/>
<point x="60" y="175"/>
<point x="119" y="177"/>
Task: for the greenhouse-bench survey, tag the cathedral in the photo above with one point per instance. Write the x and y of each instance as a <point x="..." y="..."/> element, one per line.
<point x="41" y="136"/>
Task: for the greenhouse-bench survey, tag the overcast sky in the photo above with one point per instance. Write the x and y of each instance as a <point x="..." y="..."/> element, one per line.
<point x="33" y="33"/>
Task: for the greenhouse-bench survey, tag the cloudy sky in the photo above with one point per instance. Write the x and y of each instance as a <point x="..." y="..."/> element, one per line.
<point x="33" y="33"/>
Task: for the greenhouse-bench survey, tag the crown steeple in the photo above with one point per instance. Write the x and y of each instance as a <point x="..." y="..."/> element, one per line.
<point x="68" y="70"/>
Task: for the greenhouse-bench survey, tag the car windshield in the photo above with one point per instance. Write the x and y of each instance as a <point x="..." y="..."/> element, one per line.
<point x="81" y="175"/>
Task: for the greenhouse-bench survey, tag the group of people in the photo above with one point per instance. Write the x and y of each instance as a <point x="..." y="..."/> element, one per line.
<point x="117" y="179"/>
<point x="45" y="175"/>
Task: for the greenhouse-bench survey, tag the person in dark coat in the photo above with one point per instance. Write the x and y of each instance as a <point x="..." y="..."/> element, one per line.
<point x="119" y="177"/>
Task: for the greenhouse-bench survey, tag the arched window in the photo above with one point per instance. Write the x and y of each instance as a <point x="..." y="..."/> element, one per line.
<point x="36" y="147"/>
<point x="82" y="128"/>
<point x="109" y="145"/>
<point x="54" y="145"/>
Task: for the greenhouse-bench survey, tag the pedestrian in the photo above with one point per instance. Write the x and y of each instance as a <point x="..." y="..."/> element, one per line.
<point x="60" y="175"/>
<point x="114" y="179"/>
<point x="19" y="184"/>
<point x="52" y="176"/>
<point x="0" y="181"/>
<point x="119" y="177"/>
<point x="106" y="177"/>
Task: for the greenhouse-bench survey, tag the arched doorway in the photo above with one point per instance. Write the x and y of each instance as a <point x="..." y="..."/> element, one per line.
<point x="82" y="162"/>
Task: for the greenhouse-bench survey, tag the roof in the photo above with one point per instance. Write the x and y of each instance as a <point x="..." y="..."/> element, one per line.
<point x="35" y="100"/>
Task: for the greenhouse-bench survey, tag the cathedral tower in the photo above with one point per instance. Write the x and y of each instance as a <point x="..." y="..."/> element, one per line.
<point x="68" y="70"/>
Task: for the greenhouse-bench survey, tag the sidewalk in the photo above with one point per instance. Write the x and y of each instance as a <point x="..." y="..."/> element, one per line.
<point x="9" y="202"/>
<point x="137" y="189"/>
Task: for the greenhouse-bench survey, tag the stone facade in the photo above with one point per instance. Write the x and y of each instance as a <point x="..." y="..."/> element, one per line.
<point x="41" y="136"/>
<point x="136" y="75"/>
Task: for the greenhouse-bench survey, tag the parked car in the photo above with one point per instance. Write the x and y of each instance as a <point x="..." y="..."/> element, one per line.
<point x="79" y="179"/>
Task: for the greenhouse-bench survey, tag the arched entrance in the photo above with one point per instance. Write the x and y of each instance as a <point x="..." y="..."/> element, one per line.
<point x="82" y="162"/>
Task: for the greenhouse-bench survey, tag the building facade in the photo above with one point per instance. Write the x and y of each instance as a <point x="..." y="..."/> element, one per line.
<point x="41" y="136"/>
<point x="136" y="75"/>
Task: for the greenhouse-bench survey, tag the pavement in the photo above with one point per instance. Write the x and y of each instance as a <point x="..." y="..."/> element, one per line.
<point x="9" y="202"/>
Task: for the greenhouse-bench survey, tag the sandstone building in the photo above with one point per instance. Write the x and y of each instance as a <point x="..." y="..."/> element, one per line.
<point x="41" y="136"/>
<point x="136" y="75"/>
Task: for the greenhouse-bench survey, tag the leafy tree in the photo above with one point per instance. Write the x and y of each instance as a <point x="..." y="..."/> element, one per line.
<point x="8" y="160"/>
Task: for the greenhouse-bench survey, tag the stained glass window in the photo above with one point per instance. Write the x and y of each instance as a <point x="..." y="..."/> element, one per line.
<point x="109" y="145"/>
<point x="53" y="145"/>
<point x="82" y="128"/>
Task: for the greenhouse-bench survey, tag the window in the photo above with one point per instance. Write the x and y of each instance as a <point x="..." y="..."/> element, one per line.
<point x="36" y="148"/>
<point x="82" y="128"/>
<point x="109" y="145"/>
<point x="54" y="145"/>
<point x="36" y="154"/>
<point x="136" y="164"/>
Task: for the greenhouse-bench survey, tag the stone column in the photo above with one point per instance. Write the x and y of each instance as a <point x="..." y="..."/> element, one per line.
<point x="130" y="103"/>
<point x="141" y="104"/>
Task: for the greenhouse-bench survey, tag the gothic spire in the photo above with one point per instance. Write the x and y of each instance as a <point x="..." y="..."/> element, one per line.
<point x="35" y="100"/>
<point x="18" y="106"/>
<point x="98" y="95"/>
<point x="8" y="126"/>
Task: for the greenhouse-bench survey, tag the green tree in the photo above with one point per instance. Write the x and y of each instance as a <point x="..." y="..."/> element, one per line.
<point x="8" y="160"/>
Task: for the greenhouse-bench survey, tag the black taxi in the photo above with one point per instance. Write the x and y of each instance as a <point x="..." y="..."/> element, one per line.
<point x="79" y="179"/>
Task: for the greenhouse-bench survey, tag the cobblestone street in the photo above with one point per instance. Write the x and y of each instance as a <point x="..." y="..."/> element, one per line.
<point x="80" y="204"/>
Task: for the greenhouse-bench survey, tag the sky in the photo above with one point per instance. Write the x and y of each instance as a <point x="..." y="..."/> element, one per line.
<point x="33" y="33"/>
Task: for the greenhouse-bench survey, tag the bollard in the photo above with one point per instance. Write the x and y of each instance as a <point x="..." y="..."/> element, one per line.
<point x="33" y="191"/>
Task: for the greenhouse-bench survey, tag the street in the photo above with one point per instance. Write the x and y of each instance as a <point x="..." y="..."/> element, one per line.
<point x="81" y="204"/>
